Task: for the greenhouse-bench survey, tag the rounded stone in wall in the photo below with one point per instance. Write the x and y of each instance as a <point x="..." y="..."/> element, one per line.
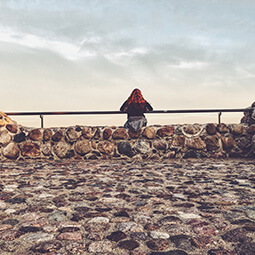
<point x="236" y="129"/>
<point x="30" y="149"/>
<point x="11" y="151"/>
<point x="106" y="147"/>
<point x="212" y="143"/>
<point x="46" y="149"/>
<point x="72" y="135"/>
<point x="19" y="138"/>
<point x="178" y="142"/>
<point x="47" y="134"/>
<point x="61" y="149"/>
<point x="82" y="147"/>
<point x="125" y="148"/>
<point x="142" y="147"/>
<point x="244" y="142"/>
<point x="107" y="133"/>
<point x="87" y="133"/>
<point x="191" y="129"/>
<point x="149" y="132"/>
<point x="5" y="137"/>
<point x="35" y="135"/>
<point x="160" y="144"/>
<point x="134" y="135"/>
<point x="166" y="131"/>
<point x="195" y="143"/>
<point x="251" y="129"/>
<point x="228" y="142"/>
<point x="57" y="136"/>
<point x="120" y="133"/>
<point x="210" y="129"/>
<point x="222" y="128"/>
<point x="13" y="128"/>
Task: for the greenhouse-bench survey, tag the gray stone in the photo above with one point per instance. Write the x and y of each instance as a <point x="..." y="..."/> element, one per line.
<point x="100" y="247"/>
<point x="125" y="148"/>
<point x="46" y="149"/>
<point x="99" y="220"/>
<point x="5" y="137"/>
<point x="11" y="151"/>
<point x="142" y="147"/>
<point x="38" y="237"/>
<point x="72" y="135"/>
<point x="159" y="235"/>
<point x="61" y="149"/>
<point x="57" y="216"/>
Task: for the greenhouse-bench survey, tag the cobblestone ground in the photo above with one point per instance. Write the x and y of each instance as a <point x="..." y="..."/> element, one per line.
<point x="119" y="207"/>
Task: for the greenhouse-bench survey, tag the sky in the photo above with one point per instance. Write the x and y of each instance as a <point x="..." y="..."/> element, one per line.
<point x="85" y="55"/>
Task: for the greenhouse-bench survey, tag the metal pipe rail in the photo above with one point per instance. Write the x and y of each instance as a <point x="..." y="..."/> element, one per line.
<point x="42" y="114"/>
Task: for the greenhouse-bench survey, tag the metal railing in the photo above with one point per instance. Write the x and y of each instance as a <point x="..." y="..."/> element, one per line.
<point x="42" y="114"/>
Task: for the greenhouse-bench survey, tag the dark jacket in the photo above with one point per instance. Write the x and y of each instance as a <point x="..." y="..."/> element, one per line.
<point x="136" y="109"/>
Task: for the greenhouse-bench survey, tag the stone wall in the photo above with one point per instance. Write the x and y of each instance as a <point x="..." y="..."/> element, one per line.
<point x="152" y="142"/>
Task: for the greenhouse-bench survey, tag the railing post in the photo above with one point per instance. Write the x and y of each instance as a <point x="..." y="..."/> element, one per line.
<point x="41" y="116"/>
<point x="219" y="117"/>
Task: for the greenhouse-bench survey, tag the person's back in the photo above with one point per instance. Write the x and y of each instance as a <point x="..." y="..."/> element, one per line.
<point x="135" y="106"/>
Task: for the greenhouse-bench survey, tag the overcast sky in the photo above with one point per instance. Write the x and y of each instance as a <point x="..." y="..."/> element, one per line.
<point x="84" y="55"/>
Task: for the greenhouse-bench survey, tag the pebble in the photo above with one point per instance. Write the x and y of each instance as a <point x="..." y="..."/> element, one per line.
<point x="70" y="236"/>
<point x="188" y="216"/>
<point x="120" y="207"/>
<point x="99" y="220"/>
<point x="39" y="237"/>
<point x="159" y="235"/>
<point x="100" y="247"/>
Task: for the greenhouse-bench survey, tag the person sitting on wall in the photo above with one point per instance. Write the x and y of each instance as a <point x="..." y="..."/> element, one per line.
<point x="135" y="106"/>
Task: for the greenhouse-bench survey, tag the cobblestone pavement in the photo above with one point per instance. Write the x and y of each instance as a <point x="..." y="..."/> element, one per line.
<point x="180" y="207"/>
